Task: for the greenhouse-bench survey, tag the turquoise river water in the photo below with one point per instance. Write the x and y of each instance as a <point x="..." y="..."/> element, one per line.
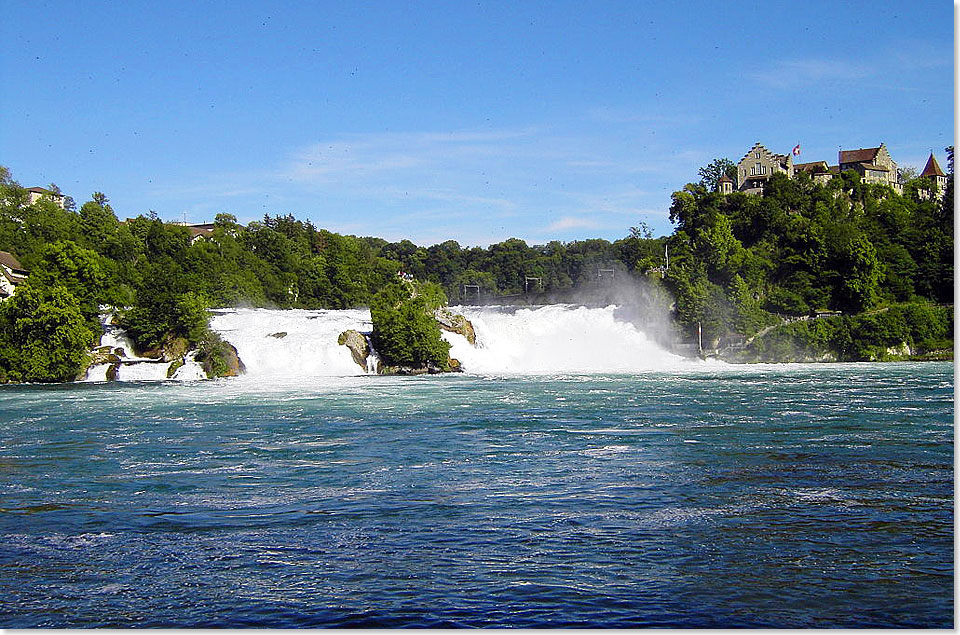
<point x="713" y="496"/>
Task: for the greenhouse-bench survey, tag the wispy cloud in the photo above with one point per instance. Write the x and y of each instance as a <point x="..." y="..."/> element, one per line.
<point x="569" y="222"/>
<point x="900" y="62"/>
<point x="361" y="157"/>
<point x="465" y="185"/>
<point x="802" y="73"/>
<point x="641" y="115"/>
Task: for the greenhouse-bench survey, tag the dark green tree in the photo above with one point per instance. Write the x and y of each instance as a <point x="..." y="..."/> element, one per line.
<point x="44" y="335"/>
<point x="405" y="332"/>
<point x="711" y="173"/>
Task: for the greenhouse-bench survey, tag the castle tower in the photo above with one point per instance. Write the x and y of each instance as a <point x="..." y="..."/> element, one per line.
<point x="725" y="185"/>
<point x="936" y="176"/>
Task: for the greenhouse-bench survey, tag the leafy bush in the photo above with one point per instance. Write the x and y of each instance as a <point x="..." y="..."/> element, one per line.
<point x="865" y="337"/>
<point x="152" y="322"/>
<point x="404" y="330"/>
<point x="44" y="335"/>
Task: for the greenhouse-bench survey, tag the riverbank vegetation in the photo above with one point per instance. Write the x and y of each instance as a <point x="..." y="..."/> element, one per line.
<point x="740" y="264"/>
<point x="738" y="268"/>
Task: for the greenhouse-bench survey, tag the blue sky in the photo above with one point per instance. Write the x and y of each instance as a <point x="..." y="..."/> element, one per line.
<point x="471" y="121"/>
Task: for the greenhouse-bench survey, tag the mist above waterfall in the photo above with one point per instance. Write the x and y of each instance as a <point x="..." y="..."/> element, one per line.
<point x="558" y="338"/>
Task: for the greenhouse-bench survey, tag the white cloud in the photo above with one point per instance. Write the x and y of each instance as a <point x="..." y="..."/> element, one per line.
<point x="570" y="222"/>
<point x="470" y="186"/>
<point x="802" y="73"/>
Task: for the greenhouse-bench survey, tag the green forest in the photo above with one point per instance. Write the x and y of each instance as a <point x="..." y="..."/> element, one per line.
<point x="736" y="266"/>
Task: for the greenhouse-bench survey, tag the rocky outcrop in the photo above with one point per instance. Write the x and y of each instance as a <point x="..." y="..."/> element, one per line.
<point x="106" y="355"/>
<point x="172" y="349"/>
<point x="361" y="349"/>
<point x="455" y="323"/>
<point x="223" y="362"/>
<point x="358" y="345"/>
<point x="903" y="350"/>
<point x="429" y="369"/>
<point x="453" y="366"/>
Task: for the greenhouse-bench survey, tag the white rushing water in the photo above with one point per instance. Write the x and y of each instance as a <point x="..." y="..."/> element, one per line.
<point x="131" y="368"/>
<point x="286" y="344"/>
<point x="290" y="345"/>
<point x="293" y="342"/>
<point x="557" y="339"/>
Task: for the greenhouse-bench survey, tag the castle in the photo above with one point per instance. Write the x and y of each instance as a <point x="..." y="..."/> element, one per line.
<point x="874" y="165"/>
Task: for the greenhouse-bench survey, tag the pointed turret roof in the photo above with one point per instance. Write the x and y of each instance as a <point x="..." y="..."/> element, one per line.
<point x="932" y="168"/>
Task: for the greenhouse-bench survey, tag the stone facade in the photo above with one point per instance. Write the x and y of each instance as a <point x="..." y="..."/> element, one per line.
<point x="819" y="171"/>
<point x="933" y="173"/>
<point x="34" y="194"/>
<point x="758" y="165"/>
<point x="725" y="185"/>
<point x="874" y="165"/>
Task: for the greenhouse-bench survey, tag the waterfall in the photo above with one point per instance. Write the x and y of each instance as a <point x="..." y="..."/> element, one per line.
<point x="557" y="338"/>
<point x="291" y="343"/>
<point x="128" y="367"/>
<point x="283" y="345"/>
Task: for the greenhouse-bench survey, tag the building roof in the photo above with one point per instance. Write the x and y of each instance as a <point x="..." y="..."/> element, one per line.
<point x="863" y="155"/>
<point x="13" y="278"/>
<point x="816" y="167"/>
<point x="874" y="166"/>
<point x="10" y="261"/>
<point x="199" y="231"/>
<point x="932" y="168"/>
<point x="725" y="179"/>
<point x="43" y="190"/>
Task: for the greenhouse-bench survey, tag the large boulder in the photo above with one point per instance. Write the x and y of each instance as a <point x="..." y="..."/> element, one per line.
<point x="221" y="360"/>
<point x="171" y="349"/>
<point x="358" y="345"/>
<point x="455" y="323"/>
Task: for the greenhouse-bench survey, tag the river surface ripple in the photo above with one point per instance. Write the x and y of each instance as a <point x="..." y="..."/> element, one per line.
<point x="817" y="496"/>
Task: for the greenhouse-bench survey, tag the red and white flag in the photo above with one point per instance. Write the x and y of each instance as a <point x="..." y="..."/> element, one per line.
<point x="796" y="150"/>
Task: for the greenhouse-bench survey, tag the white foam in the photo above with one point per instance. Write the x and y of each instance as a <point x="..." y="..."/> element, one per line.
<point x="558" y="339"/>
<point x="290" y="344"/>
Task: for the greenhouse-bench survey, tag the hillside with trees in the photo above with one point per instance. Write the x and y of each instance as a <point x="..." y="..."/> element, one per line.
<point x="739" y="266"/>
<point x="741" y="263"/>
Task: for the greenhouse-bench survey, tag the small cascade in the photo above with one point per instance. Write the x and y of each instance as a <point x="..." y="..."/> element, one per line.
<point x="373" y="361"/>
<point x="114" y="336"/>
<point x="293" y="343"/>
<point x="117" y="363"/>
<point x="191" y="369"/>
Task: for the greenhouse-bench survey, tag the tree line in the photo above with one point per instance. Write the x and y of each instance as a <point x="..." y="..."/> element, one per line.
<point x="737" y="264"/>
